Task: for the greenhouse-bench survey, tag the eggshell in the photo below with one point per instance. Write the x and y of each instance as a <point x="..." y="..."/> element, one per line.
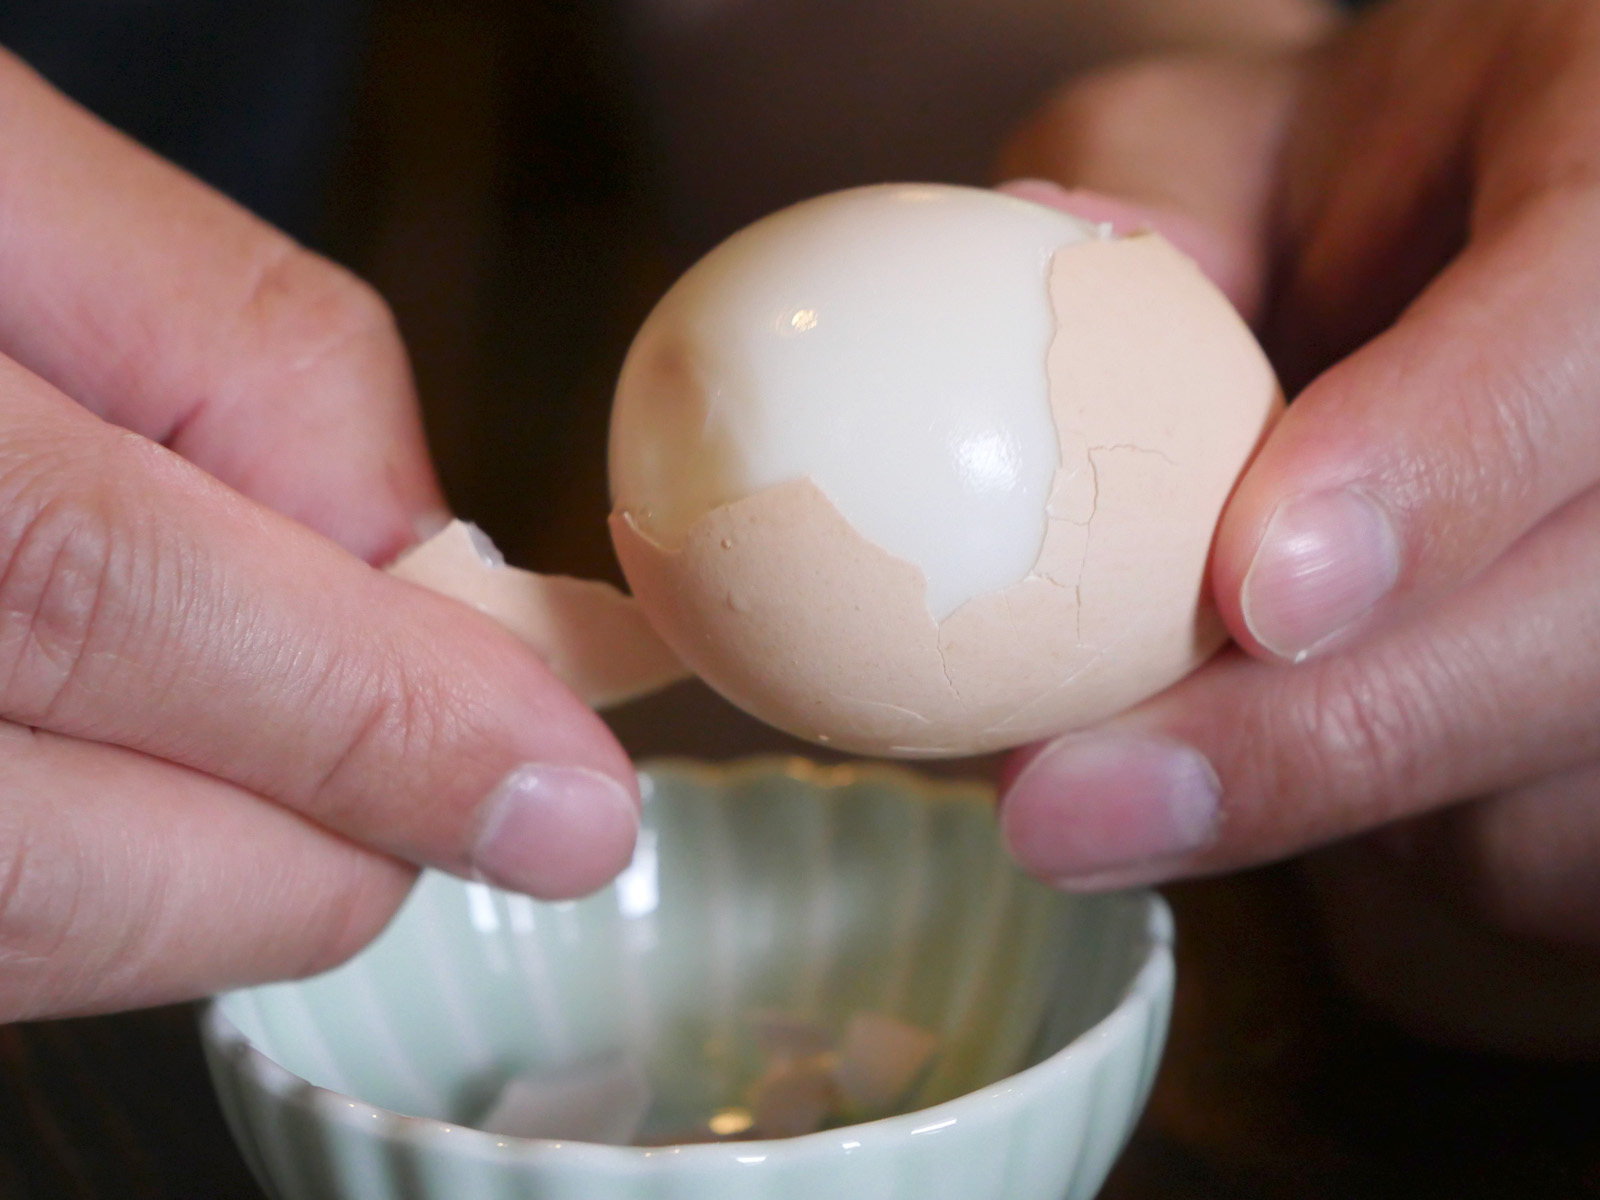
<point x="594" y="638"/>
<point x="794" y="1098"/>
<point x="1159" y="394"/>
<point x="602" y="1100"/>
<point x="879" y="1059"/>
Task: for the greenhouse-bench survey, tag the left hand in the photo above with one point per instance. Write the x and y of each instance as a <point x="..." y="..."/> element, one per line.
<point x="1408" y="214"/>
<point x="226" y="741"/>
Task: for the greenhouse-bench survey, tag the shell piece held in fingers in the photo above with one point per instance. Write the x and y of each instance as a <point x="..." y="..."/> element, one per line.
<point x="594" y="638"/>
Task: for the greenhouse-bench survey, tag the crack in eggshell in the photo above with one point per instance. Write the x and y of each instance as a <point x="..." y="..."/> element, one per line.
<point x="1132" y="449"/>
<point x="944" y="665"/>
<point x="1148" y="367"/>
<point x="884" y="704"/>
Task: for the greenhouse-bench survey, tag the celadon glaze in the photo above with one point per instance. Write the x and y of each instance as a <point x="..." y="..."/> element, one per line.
<point x="770" y="885"/>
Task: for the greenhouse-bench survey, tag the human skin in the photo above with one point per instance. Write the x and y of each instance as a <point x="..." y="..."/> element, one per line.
<point x="227" y="740"/>
<point x="1409" y="566"/>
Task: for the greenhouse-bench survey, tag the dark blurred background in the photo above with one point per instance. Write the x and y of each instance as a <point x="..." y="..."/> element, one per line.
<point x="521" y="180"/>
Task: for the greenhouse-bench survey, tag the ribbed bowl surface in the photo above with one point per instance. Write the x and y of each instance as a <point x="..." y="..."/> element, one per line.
<point x="817" y="892"/>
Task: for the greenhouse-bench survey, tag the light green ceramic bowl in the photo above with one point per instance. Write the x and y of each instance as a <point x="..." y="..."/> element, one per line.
<point x="768" y="885"/>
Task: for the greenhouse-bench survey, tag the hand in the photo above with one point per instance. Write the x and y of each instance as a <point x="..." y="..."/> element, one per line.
<point x="1412" y="564"/>
<point x="225" y="737"/>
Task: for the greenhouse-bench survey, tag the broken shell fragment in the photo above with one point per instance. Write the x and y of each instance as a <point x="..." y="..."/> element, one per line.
<point x="590" y="635"/>
<point x="794" y="1097"/>
<point x="880" y="1059"/>
<point x="600" y="1100"/>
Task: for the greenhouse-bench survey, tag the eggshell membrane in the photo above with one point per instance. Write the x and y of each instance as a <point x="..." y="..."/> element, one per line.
<point x="1160" y="395"/>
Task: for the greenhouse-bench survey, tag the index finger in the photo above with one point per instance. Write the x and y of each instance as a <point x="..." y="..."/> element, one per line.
<point x="145" y="605"/>
<point x="1245" y="761"/>
<point x="164" y="307"/>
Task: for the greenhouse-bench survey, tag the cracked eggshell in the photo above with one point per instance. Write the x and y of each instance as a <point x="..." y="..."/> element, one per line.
<point x="1159" y="395"/>
<point x="592" y="637"/>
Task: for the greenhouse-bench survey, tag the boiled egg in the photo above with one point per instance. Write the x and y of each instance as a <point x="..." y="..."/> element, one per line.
<point x="920" y="470"/>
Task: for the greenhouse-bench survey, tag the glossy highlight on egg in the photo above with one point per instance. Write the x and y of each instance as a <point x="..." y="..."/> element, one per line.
<point x="922" y="471"/>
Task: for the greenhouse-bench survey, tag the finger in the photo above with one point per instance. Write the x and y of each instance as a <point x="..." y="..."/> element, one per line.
<point x="1194" y="141"/>
<point x="127" y="881"/>
<point x="166" y="308"/>
<point x="1246" y="761"/>
<point x="1414" y="130"/>
<point x="1362" y="488"/>
<point x="1405" y="470"/>
<point x="595" y="639"/>
<point x="1408" y="467"/>
<point x="142" y="603"/>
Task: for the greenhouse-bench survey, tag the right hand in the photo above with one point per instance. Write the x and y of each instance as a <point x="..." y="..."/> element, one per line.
<point x="1409" y="562"/>
<point x="225" y="739"/>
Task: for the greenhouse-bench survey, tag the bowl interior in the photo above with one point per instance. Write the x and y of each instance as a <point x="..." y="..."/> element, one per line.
<point x="816" y="893"/>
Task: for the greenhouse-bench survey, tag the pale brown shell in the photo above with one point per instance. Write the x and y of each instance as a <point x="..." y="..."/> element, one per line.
<point x="1160" y="395"/>
<point x="591" y="636"/>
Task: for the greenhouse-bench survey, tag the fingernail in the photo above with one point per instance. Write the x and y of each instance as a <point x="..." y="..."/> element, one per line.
<point x="555" y="832"/>
<point x="1324" y="562"/>
<point x="1102" y="810"/>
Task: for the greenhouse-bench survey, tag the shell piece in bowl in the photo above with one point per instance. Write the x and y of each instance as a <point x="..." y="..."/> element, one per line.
<point x="771" y="887"/>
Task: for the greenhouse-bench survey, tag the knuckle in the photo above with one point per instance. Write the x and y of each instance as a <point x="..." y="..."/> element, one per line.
<point x="1360" y="739"/>
<point x="304" y="313"/>
<point x="1499" y="457"/>
<point x="392" y="719"/>
<point x="60" y="560"/>
<point x="1502" y="440"/>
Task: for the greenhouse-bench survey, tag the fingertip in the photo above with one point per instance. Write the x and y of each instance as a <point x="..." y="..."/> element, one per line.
<point x="556" y="832"/>
<point x="403" y="524"/>
<point x="1306" y="553"/>
<point x="1237" y="537"/>
<point x="1111" y="808"/>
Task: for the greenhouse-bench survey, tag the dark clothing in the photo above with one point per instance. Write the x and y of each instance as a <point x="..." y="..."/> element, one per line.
<point x="251" y="97"/>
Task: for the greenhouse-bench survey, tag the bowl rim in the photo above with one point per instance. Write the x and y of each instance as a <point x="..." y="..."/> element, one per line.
<point x="830" y="776"/>
<point x="1151" y="983"/>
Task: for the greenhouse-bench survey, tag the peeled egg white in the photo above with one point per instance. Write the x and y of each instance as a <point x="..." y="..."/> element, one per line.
<point x="828" y="343"/>
<point x="921" y="470"/>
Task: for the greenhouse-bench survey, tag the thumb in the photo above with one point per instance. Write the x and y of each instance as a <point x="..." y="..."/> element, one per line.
<point x="1188" y="145"/>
